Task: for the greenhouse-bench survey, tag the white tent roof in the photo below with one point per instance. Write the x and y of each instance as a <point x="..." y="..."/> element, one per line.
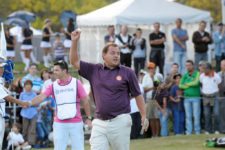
<point x="142" y="12"/>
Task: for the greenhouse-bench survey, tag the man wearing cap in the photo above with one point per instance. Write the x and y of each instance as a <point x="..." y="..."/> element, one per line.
<point x="112" y="86"/>
<point x="4" y="96"/>
<point x="219" y="42"/>
<point x="148" y="84"/>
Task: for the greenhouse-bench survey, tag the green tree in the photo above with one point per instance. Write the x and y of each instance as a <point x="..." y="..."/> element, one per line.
<point x="214" y="6"/>
<point x="50" y="8"/>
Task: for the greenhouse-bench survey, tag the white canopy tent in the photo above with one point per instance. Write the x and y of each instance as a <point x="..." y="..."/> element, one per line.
<point x="137" y="13"/>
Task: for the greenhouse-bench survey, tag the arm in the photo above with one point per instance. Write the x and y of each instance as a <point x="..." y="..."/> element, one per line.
<point x="141" y="106"/>
<point x="74" y="58"/>
<point x="217" y="38"/>
<point x="11" y="99"/>
<point x="38" y="99"/>
<point x="196" y="39"/>
<point x="182" y="85"/>
<point x="195" y="81"/>
<point x="158" y="41"/>
<point x="86" y="105"/>
<point x="177" y="40"/>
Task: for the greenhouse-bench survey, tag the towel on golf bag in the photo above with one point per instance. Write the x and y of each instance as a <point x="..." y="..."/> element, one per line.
<point x="8" y="71"/>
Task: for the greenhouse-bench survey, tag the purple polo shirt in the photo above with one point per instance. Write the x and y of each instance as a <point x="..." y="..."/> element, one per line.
<point x="112" y="88"/>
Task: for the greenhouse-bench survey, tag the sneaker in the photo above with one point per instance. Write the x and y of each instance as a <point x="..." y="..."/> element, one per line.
<point x="217" y="132"/>
<point x="27" y="147"/>
<point x="206" y="133"/>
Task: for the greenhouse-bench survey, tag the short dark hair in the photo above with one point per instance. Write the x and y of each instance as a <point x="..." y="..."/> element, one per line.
<point x="62" y="64"/>
<point x="179" y="19"/>
<point x="202" y="22"/>
<point x="175" y="64"/>
<point x="156" y="23"/>
<point x="139" y="29"/>
<point x="110" y="26"/>
<point x="33" y="64"/>
<point x="28" y="82"/>
<point x="106" y="48"/>
<point x="190" y="61"/>
<point x="57" y="35"/>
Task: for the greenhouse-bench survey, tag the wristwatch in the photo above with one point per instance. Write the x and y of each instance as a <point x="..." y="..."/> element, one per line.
<point x="30" y="103"/>
<point x="89" y="118"/>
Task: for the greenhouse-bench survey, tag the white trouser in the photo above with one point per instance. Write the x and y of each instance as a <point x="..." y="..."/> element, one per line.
<point x="114" y="133"/>
<point x="2" y="130"/>
<point x="62" y="132"/>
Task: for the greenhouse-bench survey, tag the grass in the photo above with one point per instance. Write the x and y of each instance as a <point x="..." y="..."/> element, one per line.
<point x="194" y="142"/>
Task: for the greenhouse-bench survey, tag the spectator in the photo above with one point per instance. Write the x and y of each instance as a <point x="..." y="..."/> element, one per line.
<point x="11" y="42"/>
<point x="191" y="86"/>
<point x="177" y="106"/>
<point x="161" y="96"/>
<point x="16" y="140"/>
<point x="42" y="131"/>
<point x="201" y="66"/>
<point x="29" y="114"/>
<point x="180" y="36"/>
<point x="210" y="81"/>
<point x="201" y="40"/>
<point x="50" y="107"/>
<point x="110" y="37"/>
<point x="169" y="81"/>
<point x="222" y="96"/>
<point x="124" y="40"/>
<point x="139" y="53"/>
<point x="36" y="80"/>
<point x="151" y="111"/>
<point x="67" y="43"/>
<point x="219" y="41"/>
<point x="157" y="39"/>
<point x="27" y="46"/>
<point x="59" y="49"/>
<point x="136" y="117"/>
<point x="45" y="43"/>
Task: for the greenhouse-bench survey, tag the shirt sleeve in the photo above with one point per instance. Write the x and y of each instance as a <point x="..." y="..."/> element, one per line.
<point x="81" y="93"/>
<point x="3" y="92"/>
<point x="48" y="91"/>
<point x="133" y="85"/>
<point x="86" y="69"/>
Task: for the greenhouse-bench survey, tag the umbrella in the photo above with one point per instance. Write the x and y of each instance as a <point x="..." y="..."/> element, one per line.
<point x="66" y="15"/>
<point x="24" y="15"/>
<point x="17" y="22"/>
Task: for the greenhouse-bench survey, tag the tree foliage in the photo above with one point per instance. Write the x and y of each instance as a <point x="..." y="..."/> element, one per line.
<point x="214" y="6"/>
<point x="50" y="8"/>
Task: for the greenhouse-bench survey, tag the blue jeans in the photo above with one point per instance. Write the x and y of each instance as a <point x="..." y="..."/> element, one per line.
<point x="180" y="59"/>
<point x="42" y="132"/>
<point x="178" y="120"/>
<point x="163" y="122"/>
<point x="208" y="111"/>
<point x="192" y="109"/>
<point x="200" y="57"/>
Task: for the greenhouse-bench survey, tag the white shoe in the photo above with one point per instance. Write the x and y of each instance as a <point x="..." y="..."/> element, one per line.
<point x="206" y="133"/>
<point x="27" y="147"/>
<point x="217" y="132"/>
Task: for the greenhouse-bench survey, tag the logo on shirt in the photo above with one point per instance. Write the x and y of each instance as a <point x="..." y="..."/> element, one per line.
<point x="118" y="78"/>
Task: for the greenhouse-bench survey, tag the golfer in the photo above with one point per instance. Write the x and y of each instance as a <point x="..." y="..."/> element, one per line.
<point x="112" y="85"/>
<point x="68" y="93"/>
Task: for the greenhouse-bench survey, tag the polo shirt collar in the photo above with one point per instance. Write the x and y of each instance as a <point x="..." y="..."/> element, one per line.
<point x="106" y="68"/>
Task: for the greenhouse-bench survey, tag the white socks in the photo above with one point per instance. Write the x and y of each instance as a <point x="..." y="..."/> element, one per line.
<point x="46" y="64"/>
<point x="27" y="64"/>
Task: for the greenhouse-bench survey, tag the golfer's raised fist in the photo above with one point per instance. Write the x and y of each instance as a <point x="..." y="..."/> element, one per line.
<point x="75" y="35"/>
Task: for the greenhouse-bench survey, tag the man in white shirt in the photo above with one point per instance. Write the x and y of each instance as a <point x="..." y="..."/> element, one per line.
<point x="148" y="84"/>
<point x="210" y="81"/>
<point x="124" y="40"/>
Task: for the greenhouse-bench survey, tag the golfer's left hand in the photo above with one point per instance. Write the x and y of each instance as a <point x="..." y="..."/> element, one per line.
<point x="89" y="123"/>
<point x="144" y="124"/>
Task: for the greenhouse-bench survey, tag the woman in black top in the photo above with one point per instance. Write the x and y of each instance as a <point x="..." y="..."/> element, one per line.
<point x="10" y="40"/>
<point x="45" y="43"/>
<point x="27" y="46"/>
<point x="67" y="43"/>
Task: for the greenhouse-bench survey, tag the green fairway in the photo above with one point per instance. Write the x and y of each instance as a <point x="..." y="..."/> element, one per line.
<point x="194" y="142"/>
